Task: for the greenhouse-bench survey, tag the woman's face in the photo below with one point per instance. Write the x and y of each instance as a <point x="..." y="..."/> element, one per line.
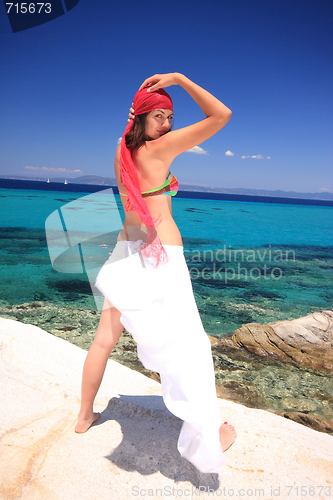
<point x="158" y="122"/>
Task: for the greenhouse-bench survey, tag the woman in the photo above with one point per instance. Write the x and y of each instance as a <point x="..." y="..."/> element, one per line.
<point x="146" y="282"/>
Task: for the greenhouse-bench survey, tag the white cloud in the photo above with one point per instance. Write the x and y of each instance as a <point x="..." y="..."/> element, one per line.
<point x="197" y="150"/>
<point x="51" y="169"/>
<point x="257" y="157"/>
<point x="229" y="153"/>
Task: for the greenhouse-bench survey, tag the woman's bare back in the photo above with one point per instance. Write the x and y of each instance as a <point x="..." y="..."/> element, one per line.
<point x="151" y="174"/>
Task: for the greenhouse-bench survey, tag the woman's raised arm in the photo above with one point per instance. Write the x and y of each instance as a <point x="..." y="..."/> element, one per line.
<point x="217" y="115"/>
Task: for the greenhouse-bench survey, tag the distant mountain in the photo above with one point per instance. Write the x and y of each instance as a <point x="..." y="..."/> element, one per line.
<point x="111" y="181"/>
<point x="85" y="179"/>
<point x="89" y="179"/>
<point x="260" y="192"/>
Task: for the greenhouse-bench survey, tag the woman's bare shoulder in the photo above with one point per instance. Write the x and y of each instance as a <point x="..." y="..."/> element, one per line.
<point x="118" y="152"/>
<point x="116" y="162"/>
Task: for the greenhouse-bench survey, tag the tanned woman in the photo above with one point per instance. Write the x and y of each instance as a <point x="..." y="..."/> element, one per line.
<point x="146" y="282"/>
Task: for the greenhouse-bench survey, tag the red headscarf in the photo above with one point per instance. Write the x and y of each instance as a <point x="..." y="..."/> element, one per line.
<point x="144" y="102"/>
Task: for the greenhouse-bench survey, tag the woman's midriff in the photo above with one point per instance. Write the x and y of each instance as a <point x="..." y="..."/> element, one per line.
<point x="167" y="230"/>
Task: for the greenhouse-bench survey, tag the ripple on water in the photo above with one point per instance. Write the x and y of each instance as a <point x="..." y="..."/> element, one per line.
<point x="243" y="288"/>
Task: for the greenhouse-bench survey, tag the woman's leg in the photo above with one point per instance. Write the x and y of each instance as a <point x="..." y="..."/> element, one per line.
<point x="107" y="335"/>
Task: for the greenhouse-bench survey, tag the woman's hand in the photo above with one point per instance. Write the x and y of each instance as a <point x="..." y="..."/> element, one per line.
<point x="130" y="114"/>
<point x="159" y="81"/>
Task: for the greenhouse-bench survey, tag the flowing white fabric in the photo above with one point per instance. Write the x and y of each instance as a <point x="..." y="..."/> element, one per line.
<point x="159" y="310"/>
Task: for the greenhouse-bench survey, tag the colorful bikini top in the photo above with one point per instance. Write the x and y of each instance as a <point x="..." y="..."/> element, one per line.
<point x="170" y="187"/>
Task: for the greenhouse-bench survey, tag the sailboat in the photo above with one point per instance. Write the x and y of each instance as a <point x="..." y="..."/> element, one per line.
<point x="48" y="181"/>
<point x="65" y="181"/>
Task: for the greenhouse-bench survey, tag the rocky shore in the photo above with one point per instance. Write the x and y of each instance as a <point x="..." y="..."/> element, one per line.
<point x="307" y="341"/>
<point x="283" y="367"/>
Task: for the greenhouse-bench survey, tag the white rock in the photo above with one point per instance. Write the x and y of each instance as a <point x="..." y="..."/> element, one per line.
<point x="131" y="452"/>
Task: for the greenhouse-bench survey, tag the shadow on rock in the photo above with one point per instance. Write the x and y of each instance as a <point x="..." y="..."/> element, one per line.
<point x="149" y="445"/>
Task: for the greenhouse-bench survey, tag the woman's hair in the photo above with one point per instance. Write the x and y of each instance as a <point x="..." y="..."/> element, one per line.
<point x="137" y="135"/>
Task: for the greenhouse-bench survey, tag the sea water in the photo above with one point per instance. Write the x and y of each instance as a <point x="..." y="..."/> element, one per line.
<point x="249" y="262"/>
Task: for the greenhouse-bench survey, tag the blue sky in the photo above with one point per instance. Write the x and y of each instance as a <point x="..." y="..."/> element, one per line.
<point x="67" y="86"/>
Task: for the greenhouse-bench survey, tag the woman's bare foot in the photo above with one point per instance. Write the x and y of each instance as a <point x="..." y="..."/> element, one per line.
<point x="227" y="435"/>
<point x="83" y="424"/>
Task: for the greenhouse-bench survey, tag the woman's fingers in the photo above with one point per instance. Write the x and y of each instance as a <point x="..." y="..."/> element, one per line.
<point x="130" y="114"/>
<point x="150" y="81"/>
<point x="158" y="81"/>
<point x="157" y="86"/>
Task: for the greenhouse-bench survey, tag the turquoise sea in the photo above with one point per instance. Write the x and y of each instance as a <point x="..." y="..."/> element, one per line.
<point x="249" y="262"/>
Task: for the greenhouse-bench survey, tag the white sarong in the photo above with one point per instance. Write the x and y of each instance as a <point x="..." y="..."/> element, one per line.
<point x="159" y="310"/>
